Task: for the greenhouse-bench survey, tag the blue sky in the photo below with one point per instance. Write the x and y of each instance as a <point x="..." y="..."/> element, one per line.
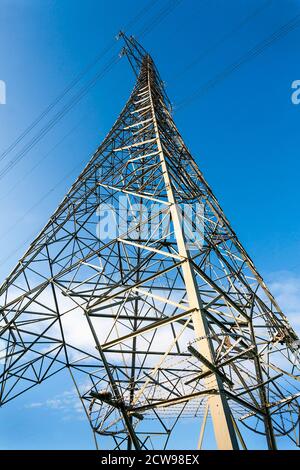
<point x="243" y="132"/>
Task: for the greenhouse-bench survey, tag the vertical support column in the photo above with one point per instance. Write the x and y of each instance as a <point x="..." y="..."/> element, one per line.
<point x="220" y="412"/>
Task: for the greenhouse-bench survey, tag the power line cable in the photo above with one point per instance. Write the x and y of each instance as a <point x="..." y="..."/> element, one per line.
<point x="281" y="32"/>
<point x="54" y="103"/>
<point x="156" y="20"/>
<point x="224" y="38"/>
<point x="159" y="17"/>
<point x="72" y="130"/>
<point x="74" y="82"/>
<point x="144" y="10"/>
<point x="43" y="158"/>
<point x="77" y="98"/>
<point x="252" y="53"/>
<point x="57" y="117"/>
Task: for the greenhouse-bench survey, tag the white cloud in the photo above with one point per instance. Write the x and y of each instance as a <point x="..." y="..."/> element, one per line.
<point x="66" y="402"/>
<point x="285" y="286"/>
<point x="37" y="404"/>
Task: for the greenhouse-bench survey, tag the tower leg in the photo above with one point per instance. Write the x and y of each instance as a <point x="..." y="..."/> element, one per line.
<point x="220" y="412"/>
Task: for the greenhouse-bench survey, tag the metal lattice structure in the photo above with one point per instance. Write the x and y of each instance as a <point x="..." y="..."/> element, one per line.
<point x="152" y="330"/>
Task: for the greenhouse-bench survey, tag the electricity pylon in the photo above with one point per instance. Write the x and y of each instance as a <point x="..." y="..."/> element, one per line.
<point x="161" y="321"/>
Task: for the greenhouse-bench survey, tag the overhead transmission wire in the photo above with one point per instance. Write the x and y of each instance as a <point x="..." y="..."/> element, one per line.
<point x="285" y="29"/>
<point x="154" y="21"/>
<point x="43" y="158"/>
<point x="159" y="16"/>
<point x="228" y="35"/>
<point x="252" y="53"/>
<point x="282" y="31"/>
<point x="59" y="98"/>
<point x="74" y="82"/>
<point x="57" y="117"/>
<point x="75" y="99"/>
<point x="171" y="5"/>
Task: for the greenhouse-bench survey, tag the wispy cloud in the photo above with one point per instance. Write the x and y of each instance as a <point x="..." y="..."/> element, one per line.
<point x="285" y="286"/>
<point x="67" y="403"/>
<point x="37" y="404"/>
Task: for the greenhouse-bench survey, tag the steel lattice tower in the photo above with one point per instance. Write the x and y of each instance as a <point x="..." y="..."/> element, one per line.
<point x="167" y="332"/>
